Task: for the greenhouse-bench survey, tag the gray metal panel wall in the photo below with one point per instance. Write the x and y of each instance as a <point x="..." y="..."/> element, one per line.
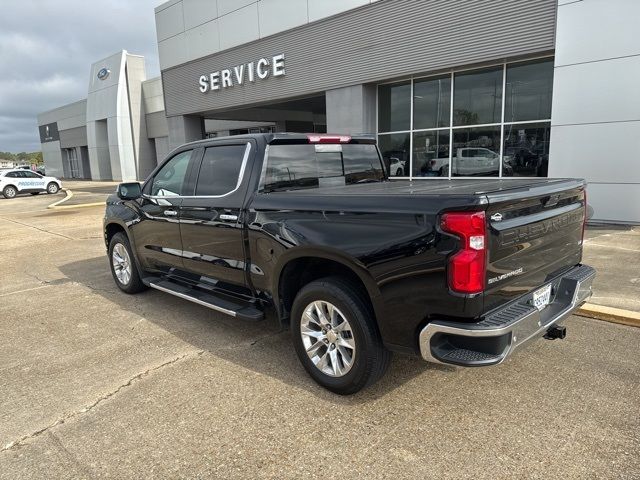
<point x="73" y="137"/>
<point x="157" y="125"/>
<point x="384" y="40"/>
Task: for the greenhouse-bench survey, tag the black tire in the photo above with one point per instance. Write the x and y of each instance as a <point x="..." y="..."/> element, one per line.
<point x="134" y="284"/>
<point x="52" y="188"/>
<point x="371" y="358"/>
<point x="9" y="191"/>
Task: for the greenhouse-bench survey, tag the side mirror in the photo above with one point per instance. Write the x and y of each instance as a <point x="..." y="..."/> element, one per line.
<point x="129" y="191"/>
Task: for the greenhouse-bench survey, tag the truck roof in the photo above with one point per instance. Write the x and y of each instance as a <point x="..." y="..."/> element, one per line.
<point x="291" y="138"/>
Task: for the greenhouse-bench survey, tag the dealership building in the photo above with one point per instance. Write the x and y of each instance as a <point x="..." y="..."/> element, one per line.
<point x="515" y="88"/>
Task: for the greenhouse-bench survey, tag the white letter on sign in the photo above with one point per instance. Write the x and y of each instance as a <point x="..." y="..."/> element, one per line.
<point x="239" y="71"/>
<point x="204" y="85"/>
<point x="278" y="65"/>
<point x="215" y="81"/>
<point x="261" y="71"/>
<point x="226" y="78"/>
<point x="250" y="70"/>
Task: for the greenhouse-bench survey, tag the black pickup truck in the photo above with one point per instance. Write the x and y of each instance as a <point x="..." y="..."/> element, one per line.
<point x="309" y="228"/>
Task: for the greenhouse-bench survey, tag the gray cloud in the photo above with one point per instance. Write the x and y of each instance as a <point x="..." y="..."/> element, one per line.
<point x="47" y="48"/>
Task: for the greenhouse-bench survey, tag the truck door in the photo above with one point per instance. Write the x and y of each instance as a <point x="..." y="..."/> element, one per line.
<point x="211" y="223"/>
<point x="157" y="234"/>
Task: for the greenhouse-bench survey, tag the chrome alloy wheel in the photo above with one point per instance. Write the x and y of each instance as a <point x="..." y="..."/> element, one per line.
<point x="52" y="188"/>
<point x="327" y="338"/>
<point x="121" y="263"/>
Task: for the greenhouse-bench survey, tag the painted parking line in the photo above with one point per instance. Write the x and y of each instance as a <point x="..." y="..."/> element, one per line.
<point x="57" y="205"/>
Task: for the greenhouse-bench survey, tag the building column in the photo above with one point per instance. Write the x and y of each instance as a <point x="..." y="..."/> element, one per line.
<point x="52" y="154"/>
<point x="184" y="129"/>
<point x="351" y="110"/>
<point x="98" y="146"/>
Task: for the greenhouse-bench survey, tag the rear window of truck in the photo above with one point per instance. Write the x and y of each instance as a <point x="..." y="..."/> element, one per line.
<point x="296" y="167"/>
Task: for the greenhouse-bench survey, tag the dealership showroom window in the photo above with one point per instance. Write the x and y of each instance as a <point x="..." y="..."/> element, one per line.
<point x="487" y="122"/>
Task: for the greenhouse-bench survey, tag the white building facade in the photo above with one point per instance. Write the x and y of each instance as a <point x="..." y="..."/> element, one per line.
<point x="518" y="88"/>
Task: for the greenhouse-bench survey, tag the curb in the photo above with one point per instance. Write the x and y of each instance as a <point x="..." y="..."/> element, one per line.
<point x="57" y="206"/>
<point x="609" y="314"/>
<point x="68" y="195"/>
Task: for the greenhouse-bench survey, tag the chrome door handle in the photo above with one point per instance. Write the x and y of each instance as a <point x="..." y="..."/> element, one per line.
<point x="225" y="216"/>
<point x="170" y="213"/>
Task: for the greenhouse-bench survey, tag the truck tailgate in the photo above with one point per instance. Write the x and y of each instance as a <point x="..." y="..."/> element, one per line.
<point x="534" y="234"/>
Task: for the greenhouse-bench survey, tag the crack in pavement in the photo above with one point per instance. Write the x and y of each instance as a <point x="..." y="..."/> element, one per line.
<point x="91" y="406"/>
<point x="37" y="228"/>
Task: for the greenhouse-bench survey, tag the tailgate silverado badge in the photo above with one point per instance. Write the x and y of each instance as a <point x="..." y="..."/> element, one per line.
<point x="496" y="217"/>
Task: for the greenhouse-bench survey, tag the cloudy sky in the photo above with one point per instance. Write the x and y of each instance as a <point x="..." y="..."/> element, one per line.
<point x="47" y="47"/>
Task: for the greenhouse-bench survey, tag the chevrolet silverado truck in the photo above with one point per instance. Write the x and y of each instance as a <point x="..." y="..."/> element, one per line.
<point x="308" y="229"/>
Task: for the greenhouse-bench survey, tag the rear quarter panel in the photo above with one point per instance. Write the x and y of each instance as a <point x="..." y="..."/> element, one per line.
<point x="393" y="244"/>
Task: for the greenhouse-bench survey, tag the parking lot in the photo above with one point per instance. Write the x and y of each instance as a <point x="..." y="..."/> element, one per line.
<point x="96" y="383"/>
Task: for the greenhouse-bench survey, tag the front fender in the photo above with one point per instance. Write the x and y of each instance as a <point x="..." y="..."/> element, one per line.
<point x="119" y="214"/>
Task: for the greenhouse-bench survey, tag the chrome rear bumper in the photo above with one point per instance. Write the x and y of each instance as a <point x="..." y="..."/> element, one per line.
<point x="493" y="339"/>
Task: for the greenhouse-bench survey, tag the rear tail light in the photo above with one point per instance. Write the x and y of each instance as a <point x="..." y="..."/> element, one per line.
<point x="312" y="138"/>
<point x="467" y="267"/>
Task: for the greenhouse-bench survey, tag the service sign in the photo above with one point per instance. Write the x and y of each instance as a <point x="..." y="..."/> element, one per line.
<point x="49" y="133"/>
<point x="245" y="73"/>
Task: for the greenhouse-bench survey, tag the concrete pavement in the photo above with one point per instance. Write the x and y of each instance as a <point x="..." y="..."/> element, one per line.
<point x="96" y="383"/>
<point x="87" y="192"/>
<point x="614" y="251"/>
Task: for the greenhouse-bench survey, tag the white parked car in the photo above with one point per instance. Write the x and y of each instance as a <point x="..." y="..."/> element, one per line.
<point x="16" y="180"/>
<point x="476" y="161"/>
<point x="397" y="167"/>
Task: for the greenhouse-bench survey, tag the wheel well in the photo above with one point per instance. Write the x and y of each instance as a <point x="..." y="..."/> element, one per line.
<point x="110" y="230"/>
<point x="301" y="271"/>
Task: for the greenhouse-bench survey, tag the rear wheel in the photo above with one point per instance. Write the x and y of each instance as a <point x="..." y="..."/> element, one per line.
<point x="335" y="336"/>
<point x="123" y="267"/>
<point x="9" y="191"/>
<point x="52" y="188"/>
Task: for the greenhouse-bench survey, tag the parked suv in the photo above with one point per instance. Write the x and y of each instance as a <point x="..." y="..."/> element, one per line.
<point x="460" y="272"/>
<point x="18" y="180"/>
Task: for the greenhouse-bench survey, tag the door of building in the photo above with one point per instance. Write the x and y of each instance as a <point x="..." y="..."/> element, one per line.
<point x="72" y="161"/>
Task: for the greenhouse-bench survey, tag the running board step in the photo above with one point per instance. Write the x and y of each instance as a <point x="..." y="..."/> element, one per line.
<point x="214" y="302"/>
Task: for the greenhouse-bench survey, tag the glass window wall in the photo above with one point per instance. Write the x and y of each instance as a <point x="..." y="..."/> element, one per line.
<point x="478" y="97"/>
<point x="395" y="153"/>
<point x="486" y="122"/>
<point x="432" y="102"/>
<point x="394" y="107"/>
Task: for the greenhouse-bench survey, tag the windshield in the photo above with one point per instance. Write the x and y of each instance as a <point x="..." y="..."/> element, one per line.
<point x="295" y="167"/>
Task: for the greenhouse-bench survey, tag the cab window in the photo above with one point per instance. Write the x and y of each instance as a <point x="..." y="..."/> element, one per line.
<point x="28" y="174"/>
<point x="169" y="181"/>
<point x="220" y="170"/>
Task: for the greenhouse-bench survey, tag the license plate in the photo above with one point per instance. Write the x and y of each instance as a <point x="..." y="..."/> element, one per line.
<point x="541" y="297"/>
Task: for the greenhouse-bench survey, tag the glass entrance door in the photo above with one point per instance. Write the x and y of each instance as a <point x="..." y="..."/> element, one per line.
<point x="72" y="161"/>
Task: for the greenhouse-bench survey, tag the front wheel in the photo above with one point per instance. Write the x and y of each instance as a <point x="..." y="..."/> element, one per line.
<point x="9" y="191"/>
<point x="123" y="267"/>
<point x="52" y="188"/>
<point x="335" y="336"/>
